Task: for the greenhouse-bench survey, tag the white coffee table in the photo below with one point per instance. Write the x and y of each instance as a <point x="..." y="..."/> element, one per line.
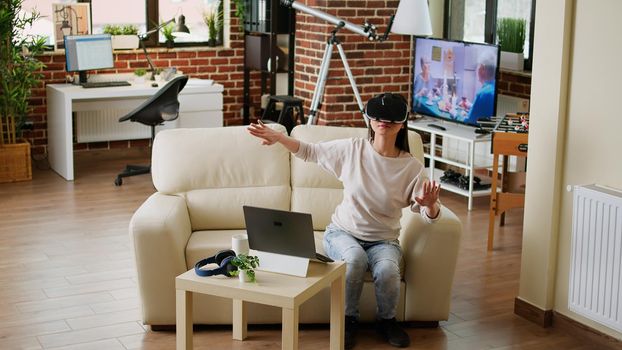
<point x="286" y="292"/>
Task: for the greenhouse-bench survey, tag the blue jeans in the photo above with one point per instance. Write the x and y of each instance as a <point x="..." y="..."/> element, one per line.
<point x="384" y="260"/>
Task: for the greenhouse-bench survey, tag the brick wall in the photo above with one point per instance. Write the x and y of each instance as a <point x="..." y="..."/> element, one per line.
<point x="376" y="67"/>
<point x="516" y="84"/>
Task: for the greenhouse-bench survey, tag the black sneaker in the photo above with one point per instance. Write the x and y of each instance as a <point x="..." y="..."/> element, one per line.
<point x="392" y="333"/>
<point x="352" y="326"/>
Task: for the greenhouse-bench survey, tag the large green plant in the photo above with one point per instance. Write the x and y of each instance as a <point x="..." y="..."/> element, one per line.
<point x="19" y="70"/>
<point x="511" y="34"/>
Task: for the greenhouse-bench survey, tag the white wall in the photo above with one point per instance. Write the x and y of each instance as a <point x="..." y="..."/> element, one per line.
<point x="437" y="11"/>
<point x="593" y="130"/>
<point x="575" y="137"/>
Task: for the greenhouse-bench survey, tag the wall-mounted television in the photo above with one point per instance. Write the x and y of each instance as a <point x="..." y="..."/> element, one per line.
<point x="454" y="80"/>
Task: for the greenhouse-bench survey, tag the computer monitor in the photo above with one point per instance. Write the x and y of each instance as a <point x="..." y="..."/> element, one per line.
<point x="88" y="52"/>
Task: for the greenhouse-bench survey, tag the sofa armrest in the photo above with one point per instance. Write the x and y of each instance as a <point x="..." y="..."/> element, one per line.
<point x="430" y="254"/>
<point x="160" y="230"/>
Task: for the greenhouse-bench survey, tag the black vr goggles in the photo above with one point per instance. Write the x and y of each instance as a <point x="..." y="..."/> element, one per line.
<point x="387" y="107"/>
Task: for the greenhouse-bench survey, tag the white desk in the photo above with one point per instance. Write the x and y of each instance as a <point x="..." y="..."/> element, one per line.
<point x="200" y="106"/>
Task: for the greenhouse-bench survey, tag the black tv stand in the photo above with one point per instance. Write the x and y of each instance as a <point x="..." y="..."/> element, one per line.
<point x="436" y="126"/>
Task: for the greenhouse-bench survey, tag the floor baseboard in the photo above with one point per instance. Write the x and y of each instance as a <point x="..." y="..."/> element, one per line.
<point x="550" y="318"/>
<point x="543" y="318"/>
<point x="568" y="325"/>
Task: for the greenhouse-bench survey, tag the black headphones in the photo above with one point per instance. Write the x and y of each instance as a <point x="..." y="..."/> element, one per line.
<point x="223" y="259"/>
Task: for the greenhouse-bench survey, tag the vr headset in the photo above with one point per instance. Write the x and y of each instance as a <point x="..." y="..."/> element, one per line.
<point x="222" y="259"/>
<point x="387" y="107"/>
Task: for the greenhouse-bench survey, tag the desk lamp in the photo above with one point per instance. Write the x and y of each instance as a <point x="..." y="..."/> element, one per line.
<point x="412" y="18"/>
<point x="180" y="30"/>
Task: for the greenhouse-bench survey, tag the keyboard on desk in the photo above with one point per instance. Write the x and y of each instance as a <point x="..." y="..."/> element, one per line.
<point x="96" y="84"/>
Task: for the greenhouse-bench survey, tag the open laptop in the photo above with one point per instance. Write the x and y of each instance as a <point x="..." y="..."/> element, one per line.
<point x="281" y="232"/>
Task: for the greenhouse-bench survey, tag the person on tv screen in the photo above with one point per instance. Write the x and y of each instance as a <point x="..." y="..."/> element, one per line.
<point x="423" y="82"/>
<point x="484" y="102"/>
<point x="380" y="177"/>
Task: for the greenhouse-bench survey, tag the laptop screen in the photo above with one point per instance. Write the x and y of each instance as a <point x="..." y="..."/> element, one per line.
<point x="279" y="231"/>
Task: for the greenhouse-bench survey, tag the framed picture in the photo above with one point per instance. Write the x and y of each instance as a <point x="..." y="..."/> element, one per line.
<point x="70" y="19"/>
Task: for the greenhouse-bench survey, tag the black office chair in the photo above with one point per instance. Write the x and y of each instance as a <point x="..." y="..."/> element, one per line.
<point x="161" y="107"/>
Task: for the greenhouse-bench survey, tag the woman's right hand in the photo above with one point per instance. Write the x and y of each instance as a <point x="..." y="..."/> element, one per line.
<point x="268" y="135"/>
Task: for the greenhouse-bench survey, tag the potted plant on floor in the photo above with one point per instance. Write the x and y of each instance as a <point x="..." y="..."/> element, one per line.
<point x="246" y="265"/>
<point x="123" y="37"/>
<point x="20" y="72"/>
<point x="511" y="39"/>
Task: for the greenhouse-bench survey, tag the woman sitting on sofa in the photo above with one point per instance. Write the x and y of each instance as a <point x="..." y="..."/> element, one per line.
<point x="380" y="177"/>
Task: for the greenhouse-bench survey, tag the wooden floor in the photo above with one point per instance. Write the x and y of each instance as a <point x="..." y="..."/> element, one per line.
<point x="68" y="279"/>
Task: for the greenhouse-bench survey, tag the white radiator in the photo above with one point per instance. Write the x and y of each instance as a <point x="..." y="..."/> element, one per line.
<point x="104" y="125"/>
<point x="596" y="255"/>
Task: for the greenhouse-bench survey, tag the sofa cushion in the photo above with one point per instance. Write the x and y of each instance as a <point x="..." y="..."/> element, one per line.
<point x="203" y="244"/>
<point x="218" y="170"/>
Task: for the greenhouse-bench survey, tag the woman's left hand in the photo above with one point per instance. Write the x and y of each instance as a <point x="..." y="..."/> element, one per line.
<point x="429" y="197"/>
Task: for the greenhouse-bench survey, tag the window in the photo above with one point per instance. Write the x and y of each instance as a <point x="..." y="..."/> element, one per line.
<point x="105" y="12"/>
<point x="145" y="15"/>
<point x="475" y="20"/>
<point x="45" y="25"/>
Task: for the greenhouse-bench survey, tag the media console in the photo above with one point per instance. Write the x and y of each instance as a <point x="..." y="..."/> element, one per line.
<point x="475" y="157"/>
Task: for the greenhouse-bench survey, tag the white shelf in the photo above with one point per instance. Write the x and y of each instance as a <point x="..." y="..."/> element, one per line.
<point x="466" y="160"/>
<point x="455" y="189"/>
<point x="456" y="163"/>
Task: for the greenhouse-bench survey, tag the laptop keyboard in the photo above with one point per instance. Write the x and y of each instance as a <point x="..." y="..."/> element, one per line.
<point x="97" y="84"/>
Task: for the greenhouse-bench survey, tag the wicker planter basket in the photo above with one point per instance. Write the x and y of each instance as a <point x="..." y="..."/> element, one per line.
<point x="15" y="162"/>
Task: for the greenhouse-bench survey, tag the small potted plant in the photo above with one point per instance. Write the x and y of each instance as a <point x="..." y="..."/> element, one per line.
<point x="246" y="265"/>
<point x="511" y="38"/>
<point x="123" y="37"/>
<point x="140" y="75"/>
<point x="212" y="19"/>
<point x="167" y="32"/>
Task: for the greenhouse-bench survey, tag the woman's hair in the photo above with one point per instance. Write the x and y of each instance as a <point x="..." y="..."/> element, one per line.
<point x="401" y="141"/>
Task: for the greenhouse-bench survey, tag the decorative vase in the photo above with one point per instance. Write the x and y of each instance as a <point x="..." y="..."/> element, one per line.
<point x="15" y="162"/>
<point x="170" y="44"/>
<point x="211" y="42"/>
<point x="512" y="61"/>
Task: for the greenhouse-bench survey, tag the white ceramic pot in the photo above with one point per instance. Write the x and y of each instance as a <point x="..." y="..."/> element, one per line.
<point x="124" y="42"/>
<point x="512" y="61"/>
<point x="243" y="277"/>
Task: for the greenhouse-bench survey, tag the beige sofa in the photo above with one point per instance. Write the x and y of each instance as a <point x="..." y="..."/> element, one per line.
<point x="204" y="176"/>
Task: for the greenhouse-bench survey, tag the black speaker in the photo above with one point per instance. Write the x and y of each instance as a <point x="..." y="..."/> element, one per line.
<point x="260" y="14"/>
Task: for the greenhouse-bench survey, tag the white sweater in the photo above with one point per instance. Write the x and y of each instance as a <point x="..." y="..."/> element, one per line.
<point x="376" y="188"/>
